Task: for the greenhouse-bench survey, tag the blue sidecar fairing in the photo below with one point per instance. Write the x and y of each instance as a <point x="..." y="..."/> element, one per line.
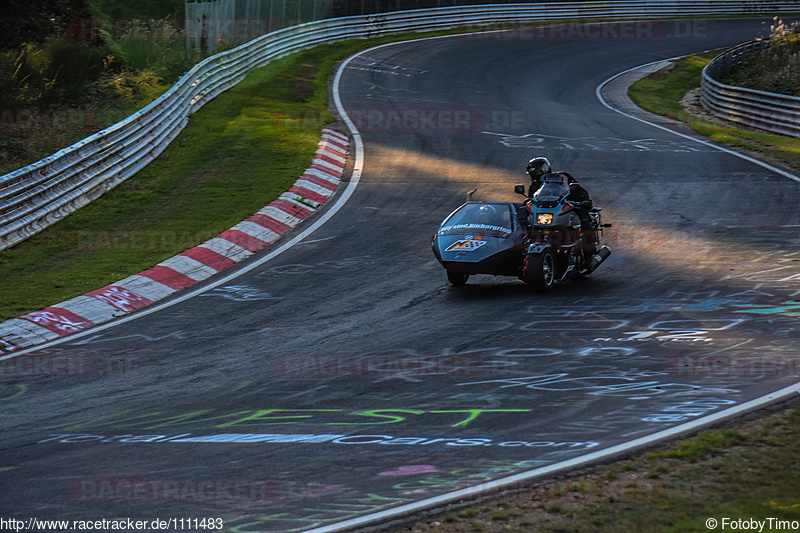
<point x="481" y="238"/>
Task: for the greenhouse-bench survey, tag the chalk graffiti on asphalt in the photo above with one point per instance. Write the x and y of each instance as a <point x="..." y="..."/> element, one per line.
<point x="241" y="293"/>
<point x="313" y="438"/>
<point x="455" y="418"/>
<point x="9" y="392"/>
<point x="619" y="383"/>
<point x="552" y="142"/>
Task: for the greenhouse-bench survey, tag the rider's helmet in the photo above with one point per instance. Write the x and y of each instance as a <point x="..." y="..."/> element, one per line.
<point x="538" y="166"/>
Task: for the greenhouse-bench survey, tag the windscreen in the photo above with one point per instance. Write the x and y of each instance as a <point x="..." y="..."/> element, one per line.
<point x="554" y="186"/>
<point x="489" y="219"/>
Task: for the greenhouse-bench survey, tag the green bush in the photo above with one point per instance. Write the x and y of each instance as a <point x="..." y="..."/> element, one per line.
<point x="54" y="73"/>
<point x="102" y="76"/>
<point x="137" y="88"/>
<point x="153" y="45"/>
<point x="775" y="69"/>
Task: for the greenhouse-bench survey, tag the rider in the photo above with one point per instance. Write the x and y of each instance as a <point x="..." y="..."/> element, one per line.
<point x="537" y="167"/>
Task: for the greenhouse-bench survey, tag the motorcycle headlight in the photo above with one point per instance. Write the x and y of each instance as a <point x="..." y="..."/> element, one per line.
<point x="544" y="218"/>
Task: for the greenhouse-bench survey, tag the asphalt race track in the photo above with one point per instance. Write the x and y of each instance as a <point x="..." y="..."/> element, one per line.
<point x="345" y="377"/>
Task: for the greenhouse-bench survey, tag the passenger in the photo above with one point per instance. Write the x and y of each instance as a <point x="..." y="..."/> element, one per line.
<point x="579" y="195"/>
<point x="487" y="214"/>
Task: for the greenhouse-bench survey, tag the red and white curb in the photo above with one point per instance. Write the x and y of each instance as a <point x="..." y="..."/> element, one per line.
<point x="262" y="229"/>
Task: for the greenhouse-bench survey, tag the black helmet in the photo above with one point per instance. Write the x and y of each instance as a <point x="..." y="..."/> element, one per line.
<point x="538" y="166"/>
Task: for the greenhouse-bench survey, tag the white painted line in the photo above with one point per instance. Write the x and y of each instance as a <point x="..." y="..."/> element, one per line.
<point x="130" y="283"/>
<point x="485" y="489"/>
<point x="598" y="93"/>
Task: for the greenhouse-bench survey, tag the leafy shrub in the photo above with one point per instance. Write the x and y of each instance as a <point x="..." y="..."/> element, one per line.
<point x="775" y="69"/>
<point x="151" y="45"/>
<point x="51" y="73"/>
<point x="137" y="88"/>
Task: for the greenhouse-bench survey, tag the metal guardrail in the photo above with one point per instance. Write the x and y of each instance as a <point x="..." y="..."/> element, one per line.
<point x="777" y="113"/>
<point x="44" y="192"/>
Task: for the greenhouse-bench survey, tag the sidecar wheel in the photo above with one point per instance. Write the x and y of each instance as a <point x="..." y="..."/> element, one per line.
<point x="540" y="271"/>
<point x="457" y="279"/>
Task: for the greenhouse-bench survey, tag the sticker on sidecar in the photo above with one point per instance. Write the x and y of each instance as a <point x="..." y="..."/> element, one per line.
<point x="476" y="227"/>
<point x="465" y="246"/>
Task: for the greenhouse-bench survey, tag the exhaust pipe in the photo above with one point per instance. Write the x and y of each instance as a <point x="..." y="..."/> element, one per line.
<point x="601" y="255"/>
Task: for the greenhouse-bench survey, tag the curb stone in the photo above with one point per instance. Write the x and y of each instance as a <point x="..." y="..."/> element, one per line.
<point x="262" y="229"/>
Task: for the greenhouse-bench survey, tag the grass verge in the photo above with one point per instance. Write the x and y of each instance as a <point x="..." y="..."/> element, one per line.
<point x="231" y="160"/>
<point x="747" y="472"/>
<point x="238" y="153"/>
<point x="662" y="92"/>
